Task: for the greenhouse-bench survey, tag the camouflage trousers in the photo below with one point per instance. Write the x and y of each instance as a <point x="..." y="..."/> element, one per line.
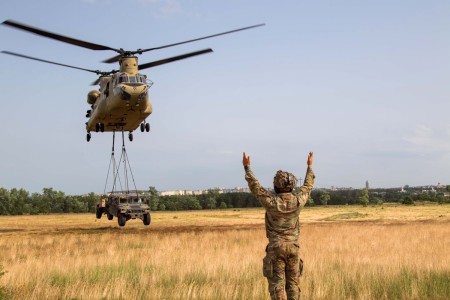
<point x="281" y="267"/>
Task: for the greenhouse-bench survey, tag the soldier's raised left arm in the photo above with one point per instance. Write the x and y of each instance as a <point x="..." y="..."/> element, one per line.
<point x="262" y="195"/>
<point x="308" y="184"/>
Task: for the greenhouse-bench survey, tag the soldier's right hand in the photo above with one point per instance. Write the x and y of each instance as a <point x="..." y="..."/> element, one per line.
<point x="246" y="160"/>
<point x="310" y="159"/>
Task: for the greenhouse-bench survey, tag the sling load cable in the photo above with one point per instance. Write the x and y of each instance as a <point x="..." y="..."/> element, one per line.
<point x="115" y="169"/>
<point x="125" y="161"/>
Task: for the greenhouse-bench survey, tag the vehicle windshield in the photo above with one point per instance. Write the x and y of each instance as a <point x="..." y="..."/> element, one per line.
<point x="135" y="200"/>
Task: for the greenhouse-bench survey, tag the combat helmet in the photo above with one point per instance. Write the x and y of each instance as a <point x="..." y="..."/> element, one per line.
<point x="284" y="182"/>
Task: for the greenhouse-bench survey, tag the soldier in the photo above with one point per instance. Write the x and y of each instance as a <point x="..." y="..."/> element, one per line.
<point x="282" y="265"/>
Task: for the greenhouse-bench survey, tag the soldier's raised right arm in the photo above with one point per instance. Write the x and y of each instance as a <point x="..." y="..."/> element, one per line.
<point x="262" y="195"/>
<point x="308" y="184"/>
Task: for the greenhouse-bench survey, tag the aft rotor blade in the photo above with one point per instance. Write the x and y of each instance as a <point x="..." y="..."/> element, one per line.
<point x="202" y="38"/>
<point x="51" y="62"/>
<point x="58" y="37"/>
<point x="174" y="58"/>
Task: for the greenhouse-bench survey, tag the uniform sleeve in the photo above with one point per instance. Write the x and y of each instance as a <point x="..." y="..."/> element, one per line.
<point x="262" y="195"/>
<point x="307" y="187"/>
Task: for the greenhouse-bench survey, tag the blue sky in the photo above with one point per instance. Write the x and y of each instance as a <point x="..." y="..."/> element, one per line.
<point x="363" y="84"/>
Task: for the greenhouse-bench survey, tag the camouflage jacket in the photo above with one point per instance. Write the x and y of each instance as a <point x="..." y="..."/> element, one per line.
<point x="283" y="209"/>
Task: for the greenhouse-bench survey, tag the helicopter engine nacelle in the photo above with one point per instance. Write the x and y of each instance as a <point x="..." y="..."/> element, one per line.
<point x="92" y="97"/>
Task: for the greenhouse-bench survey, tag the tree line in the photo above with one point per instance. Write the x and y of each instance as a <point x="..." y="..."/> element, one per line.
<point x="50" y="201"/>
<point x="378" y="196"/>
<point x="21" y="202"/>
<point x="210" y="200"/>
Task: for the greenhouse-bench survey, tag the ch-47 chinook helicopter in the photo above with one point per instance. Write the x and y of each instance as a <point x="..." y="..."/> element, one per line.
<point x="122" y="102"/>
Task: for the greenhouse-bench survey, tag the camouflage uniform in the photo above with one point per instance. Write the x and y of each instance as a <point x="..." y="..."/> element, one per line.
<point x="281" y="265"/>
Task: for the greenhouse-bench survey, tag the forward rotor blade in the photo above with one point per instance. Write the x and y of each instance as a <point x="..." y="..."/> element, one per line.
<point x="140" y="51"/>
<point x="58" y="37"/>
<point x="202" y="38"/>
<point x="174" y="58"/>
<point x="52" y="62"/>
<point x="112" y="59"/>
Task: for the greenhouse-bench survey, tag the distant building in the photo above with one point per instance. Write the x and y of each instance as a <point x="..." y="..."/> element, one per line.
<point x="367" y="184"/>
<point x="201" y="192"/>
<point x="441" y="186"/>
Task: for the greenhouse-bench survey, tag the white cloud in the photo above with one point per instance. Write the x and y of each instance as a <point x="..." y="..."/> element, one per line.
<point x="97" y="1"/>
<point x="171" y="7"/>
<point x="426" y="139"/>
<point x="164" y="7"/>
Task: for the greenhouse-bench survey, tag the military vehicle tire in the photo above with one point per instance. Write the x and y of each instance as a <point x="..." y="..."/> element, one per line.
<point x="88" y="137"/>
<point x="110" y="216"/>
<point x="98" y="213"/>
<point x="147" y="127"/>
<point x="97" y="127"/>
<point x="142" y="127"/>
<point x="121" y="219"/>
<point x="130" y="137"/>
<point x="147" y="219"/>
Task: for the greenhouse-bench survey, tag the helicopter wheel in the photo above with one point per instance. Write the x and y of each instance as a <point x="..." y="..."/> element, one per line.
<point x="102" y="127"/>
<point x="130" y="137"/>
<point x="142" y="127"/>
<point x="147" y="127"/>
<point x="88" y="136"/>
<point x="97" y="127"/>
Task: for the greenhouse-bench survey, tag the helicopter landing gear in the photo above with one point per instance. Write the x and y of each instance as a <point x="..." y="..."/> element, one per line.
<point x="145" y="126"/>
<point x="99" y="127"/>
<point x="130" y="136"/>
<point x="88" y="136"/>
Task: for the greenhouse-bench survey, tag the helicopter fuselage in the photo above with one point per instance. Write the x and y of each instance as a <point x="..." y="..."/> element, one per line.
<point x="121" y="103"/>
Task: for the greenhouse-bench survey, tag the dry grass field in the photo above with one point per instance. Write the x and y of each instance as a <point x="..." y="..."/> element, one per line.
<point x="350" y="252"/>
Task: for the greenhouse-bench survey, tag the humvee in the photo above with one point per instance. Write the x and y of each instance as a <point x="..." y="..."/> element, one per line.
<point x="124" y="207"/>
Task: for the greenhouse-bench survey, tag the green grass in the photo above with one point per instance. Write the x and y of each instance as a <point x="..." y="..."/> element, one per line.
<point x="345" y="216"/>
<point x="405" y="284"/>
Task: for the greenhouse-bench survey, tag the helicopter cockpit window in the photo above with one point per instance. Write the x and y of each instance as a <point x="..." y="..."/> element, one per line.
<point x="141" y="78"/>
<point x="132" y="79"/>
<point x="123" y="78"/>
